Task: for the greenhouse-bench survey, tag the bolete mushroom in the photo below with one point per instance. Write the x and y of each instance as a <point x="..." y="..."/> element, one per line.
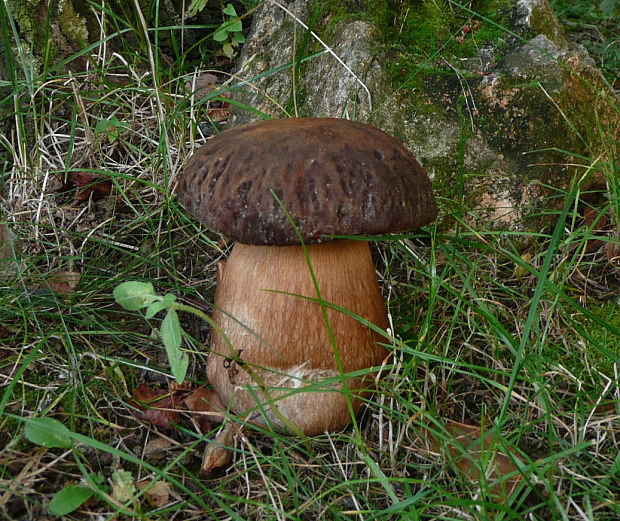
<point x="333" y="177"/>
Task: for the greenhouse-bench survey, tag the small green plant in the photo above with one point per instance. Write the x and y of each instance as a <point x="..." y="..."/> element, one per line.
<point x="52" y="434"/>
<point x="111" y="128"/>
<point x="229" y="33"/>
<point x="134" y="295"/>
<point x="69" y="499"/>
<point x="195" y="7"/>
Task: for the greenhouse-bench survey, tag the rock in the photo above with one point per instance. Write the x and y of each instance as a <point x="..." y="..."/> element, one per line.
<point x="350" y="79"/>
<point x="52" y="30"/>
<point x="496" y="130"/>
<point x="268" y="46"/>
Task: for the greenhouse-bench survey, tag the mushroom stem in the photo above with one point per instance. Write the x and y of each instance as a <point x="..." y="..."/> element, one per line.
<point x="284" y="338"/>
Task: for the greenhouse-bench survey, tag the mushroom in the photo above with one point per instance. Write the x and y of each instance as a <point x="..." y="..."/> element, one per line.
<point x="332" y="177"/>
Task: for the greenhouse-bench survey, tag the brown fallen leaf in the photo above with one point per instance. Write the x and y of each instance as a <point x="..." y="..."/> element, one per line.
<point x="156" y="448"/>
<point x="219" y="113"/>
<point x="161" y="409"/>
<point x="202" y="402"/>
<point x="64" y="281"/>
<point x="467" y="449"/>
<point x="218" y="452"/>
<point x="158" y="493"/>
<point x="87" y="184"/>
<point x="201" y="85"/>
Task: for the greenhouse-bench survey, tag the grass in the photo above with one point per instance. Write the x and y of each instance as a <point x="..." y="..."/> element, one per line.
<point x="596" y="25"/>
<point x="522" y="344"/>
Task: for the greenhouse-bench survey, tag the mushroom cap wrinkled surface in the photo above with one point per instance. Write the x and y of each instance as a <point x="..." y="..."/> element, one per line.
<point x="333" y="176"/>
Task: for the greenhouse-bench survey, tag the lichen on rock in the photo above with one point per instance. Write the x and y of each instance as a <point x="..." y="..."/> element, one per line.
<point x="72" y="24"/>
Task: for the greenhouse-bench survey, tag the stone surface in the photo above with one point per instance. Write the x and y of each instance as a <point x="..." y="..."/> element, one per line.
<point x="349" y="70"/>
<point x="491" y="129"/>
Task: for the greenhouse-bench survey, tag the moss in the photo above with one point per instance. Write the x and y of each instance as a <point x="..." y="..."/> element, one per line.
<point x="72" y="24"/>
<point x="544" y="21"/>
<point x="421" y="34"/>
<point x="27" y="15"/>
<point x="587" y="89"/>
<point x="52" y="30"/>
<point x="31" y="18"/>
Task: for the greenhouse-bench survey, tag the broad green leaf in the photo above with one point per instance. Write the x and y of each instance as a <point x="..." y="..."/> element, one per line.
<point x="48" y="432"/>
<point x="238" y="38"/>
<point x="221" y="35"/>
<point x="155" y="308"/>
<point x="102" y="126"/>
<point x="234" y="27"/>
<point x="171" y="336"/>
<point x="169" y="299"/>
<point x="69" y="499"/>
<point x="230" y="10"/>
<point x="178" y="366"/>
<point x="134" y="295"/>
<point x="171" y="331"/>
<point x="195" y="7"/>
<point x="116" y="123"/>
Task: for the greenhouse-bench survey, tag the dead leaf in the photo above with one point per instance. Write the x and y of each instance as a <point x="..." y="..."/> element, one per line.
<point x="86" y="184"/>
<point x="158" y="493"/>
<point x="145" y="393"/>
<point x="161" y="407"/>
<point x="201" y="86"/>
<point x="162" y="419"/>
<point x="202" y="402"/>
<point x="64" y="281"/>
<point x="519" y="270"/>
<point x="219" y="114"/>
<point x="218" y="452"/>
<point x="467" y="450"/>
<point x="156" y="448"/>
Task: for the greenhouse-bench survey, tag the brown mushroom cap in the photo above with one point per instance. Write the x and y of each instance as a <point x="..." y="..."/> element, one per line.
<point x="334" y="177"/>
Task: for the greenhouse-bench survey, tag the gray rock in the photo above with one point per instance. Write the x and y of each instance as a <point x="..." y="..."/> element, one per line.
<point x="489" y="129"/>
